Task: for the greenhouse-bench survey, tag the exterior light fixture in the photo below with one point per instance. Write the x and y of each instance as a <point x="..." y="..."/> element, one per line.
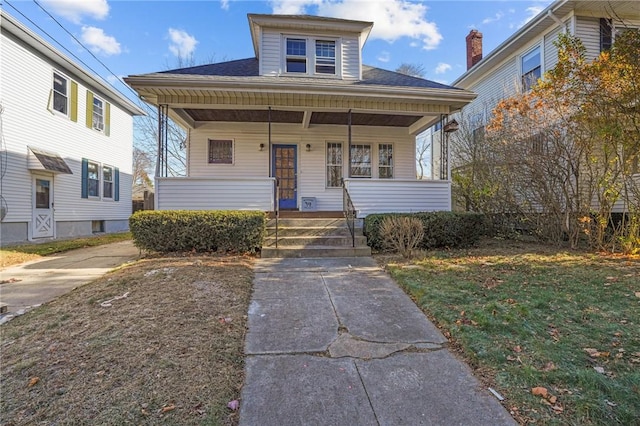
<point x="308" y="147"/>
<point x="261" y="146"/>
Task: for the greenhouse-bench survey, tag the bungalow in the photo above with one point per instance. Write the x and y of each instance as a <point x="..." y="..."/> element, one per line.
<point x="300" y="126"/>
<point x="67" y="137"/>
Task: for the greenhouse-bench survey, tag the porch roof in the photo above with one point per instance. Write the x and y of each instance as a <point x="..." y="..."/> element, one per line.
<point x="234" y="91"/>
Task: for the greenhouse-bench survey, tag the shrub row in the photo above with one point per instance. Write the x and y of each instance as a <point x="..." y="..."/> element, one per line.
<point x="441" y="229"/>
<point x="188" y="230"/>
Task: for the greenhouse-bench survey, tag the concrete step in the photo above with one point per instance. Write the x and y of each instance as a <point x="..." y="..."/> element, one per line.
<point x="315" y="251"/>
<point x="312" y="222"/>
<point x="315" y="240"/>
<point x="288" y="231"/>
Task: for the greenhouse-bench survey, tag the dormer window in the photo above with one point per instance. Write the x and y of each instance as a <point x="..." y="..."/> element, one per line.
<point x="325" y="57"/>
<point x="297" y="55"/>
<point x="311" y="56"/>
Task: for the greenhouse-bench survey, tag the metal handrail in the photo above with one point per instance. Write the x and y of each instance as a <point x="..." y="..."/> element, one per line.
<point x="349" y="212"/>
<point x="276" y="204"/>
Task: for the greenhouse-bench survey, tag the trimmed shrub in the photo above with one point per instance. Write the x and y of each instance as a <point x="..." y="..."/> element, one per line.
<point x="441" y="229"/>
<point x="200" y="231"/>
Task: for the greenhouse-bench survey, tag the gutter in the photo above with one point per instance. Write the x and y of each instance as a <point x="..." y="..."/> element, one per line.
<point x="405" y="93"/>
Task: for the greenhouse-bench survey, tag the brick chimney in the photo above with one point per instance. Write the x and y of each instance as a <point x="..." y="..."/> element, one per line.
<point x="474" y="48"/>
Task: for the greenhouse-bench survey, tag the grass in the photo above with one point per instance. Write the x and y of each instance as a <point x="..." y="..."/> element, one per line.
<point x="527" y="316"/>
<point x="170" y="352"/>
<point x="16" y="254"/>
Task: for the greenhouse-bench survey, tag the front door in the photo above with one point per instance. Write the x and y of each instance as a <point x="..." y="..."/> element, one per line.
<point x="42" y="207"/>
<point x="285" y="170"/>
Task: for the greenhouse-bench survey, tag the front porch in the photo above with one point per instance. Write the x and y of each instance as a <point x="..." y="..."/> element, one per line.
<point x="259" y="193"/>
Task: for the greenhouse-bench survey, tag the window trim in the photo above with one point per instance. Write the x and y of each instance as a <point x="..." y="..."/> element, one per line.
<point x="99" y="180"/>
<point x="223" y="162"/>
<point x="316" y="57"/>
<point x="310" y="56"/>
<point x="327" y="164"/>
<point x="102" y="115"/>
<point x="351" y="163"/>
<point x="523" y="74"/>
<point x="67" y="95"/>
<point x="104" y="181"/>
<point x="391" y="166"/>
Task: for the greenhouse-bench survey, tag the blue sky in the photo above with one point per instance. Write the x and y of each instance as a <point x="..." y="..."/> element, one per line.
<point x="137" y="37"/>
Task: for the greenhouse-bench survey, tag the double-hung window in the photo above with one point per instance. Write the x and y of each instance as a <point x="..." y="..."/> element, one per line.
<point x="60" y="93"/>
<point x="531" y="69"/>
<point x="360" y="161"/>
<point x="107" y="182"/>
<point x="325" y="57"/>
<point x="334" y="164"/>
<point x="98" y="114"/>
<point x="93" y="180"/>
<point x="296" y="60"/>
<point x="385" y="161"/>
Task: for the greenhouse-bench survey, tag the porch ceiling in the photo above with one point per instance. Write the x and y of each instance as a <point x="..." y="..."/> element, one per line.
<point x="317" y="117"/>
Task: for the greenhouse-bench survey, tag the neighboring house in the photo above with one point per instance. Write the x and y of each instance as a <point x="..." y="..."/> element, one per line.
<point x="306" y="111"/>
<point x="66" y="144"/>
<point x="523" y="58"/>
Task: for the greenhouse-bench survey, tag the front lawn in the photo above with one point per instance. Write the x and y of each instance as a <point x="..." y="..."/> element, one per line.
<point x="529" y="316"/>
<point x="156" y="342"/>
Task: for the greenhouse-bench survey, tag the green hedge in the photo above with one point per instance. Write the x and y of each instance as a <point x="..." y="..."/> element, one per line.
<point x="189" y="230"/>
<point x="441" y="229"/>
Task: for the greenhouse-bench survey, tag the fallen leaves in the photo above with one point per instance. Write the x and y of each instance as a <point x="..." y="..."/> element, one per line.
<point x="233" y="405"/>
<point x="594" y="353"/>
<point x="548" y="398"/>
<point x="33" y="381"/>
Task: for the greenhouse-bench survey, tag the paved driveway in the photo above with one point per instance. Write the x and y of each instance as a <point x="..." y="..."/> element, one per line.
<point x="33" y="283"/>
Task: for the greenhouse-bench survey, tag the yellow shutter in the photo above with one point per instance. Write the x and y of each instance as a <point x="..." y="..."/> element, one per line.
<point x="74" y="101"/>
<point x="107" y="119"/>
<point x="89" y="117"/>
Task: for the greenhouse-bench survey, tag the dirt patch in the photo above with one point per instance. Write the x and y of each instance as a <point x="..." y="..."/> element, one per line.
<point x="158" y="342"/>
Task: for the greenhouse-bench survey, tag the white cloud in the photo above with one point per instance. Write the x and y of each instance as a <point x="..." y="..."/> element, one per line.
<point x="442" y="68"/>
<point x="392" y="19"/>
<point x="182" y="44"/>
<point x="113" y="80"/>
<point x="99" y="42"/>
<point x="75" y="10"/>
<point x="499" y="15"/>
<point x="224" y="4"/>
<point x="384" y="56"/>
<point x="532" y="11"/>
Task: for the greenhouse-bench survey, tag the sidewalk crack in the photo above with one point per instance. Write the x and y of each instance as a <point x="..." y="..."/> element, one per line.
<point x="366" y="392"/>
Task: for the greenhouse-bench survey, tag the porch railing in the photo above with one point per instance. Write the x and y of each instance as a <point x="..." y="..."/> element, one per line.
<point x="349" y="212"/>
<point x="276" y="204"/>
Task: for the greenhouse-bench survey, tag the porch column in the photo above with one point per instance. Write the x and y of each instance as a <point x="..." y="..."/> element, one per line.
<point x="270" y="153"/>
<point x="349" y="143"/>
<point x="163" y="128"/>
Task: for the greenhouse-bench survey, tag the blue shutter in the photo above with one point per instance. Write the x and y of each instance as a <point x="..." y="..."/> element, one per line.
<point x="85" y="178"/>
<point x="116" y="183"/>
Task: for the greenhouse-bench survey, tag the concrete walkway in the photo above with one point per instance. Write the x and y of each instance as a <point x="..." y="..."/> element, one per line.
<point x="337" y="342"/>
<point x="33" y="283"/>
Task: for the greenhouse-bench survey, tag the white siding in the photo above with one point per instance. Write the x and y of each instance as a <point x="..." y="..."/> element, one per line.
<point x="270" y="53"/>
<point x="250" y="162"/>
<point x="388" y="196"/>
<point x="350" y="58"/>
<point x="214" y="194"/>
<point x="26" y="83"/>
<point x="550" y="49"/>
<point x="588" y="30"/>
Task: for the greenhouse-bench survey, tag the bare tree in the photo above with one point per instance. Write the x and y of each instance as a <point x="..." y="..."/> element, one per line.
<point x="414" y="70"/>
